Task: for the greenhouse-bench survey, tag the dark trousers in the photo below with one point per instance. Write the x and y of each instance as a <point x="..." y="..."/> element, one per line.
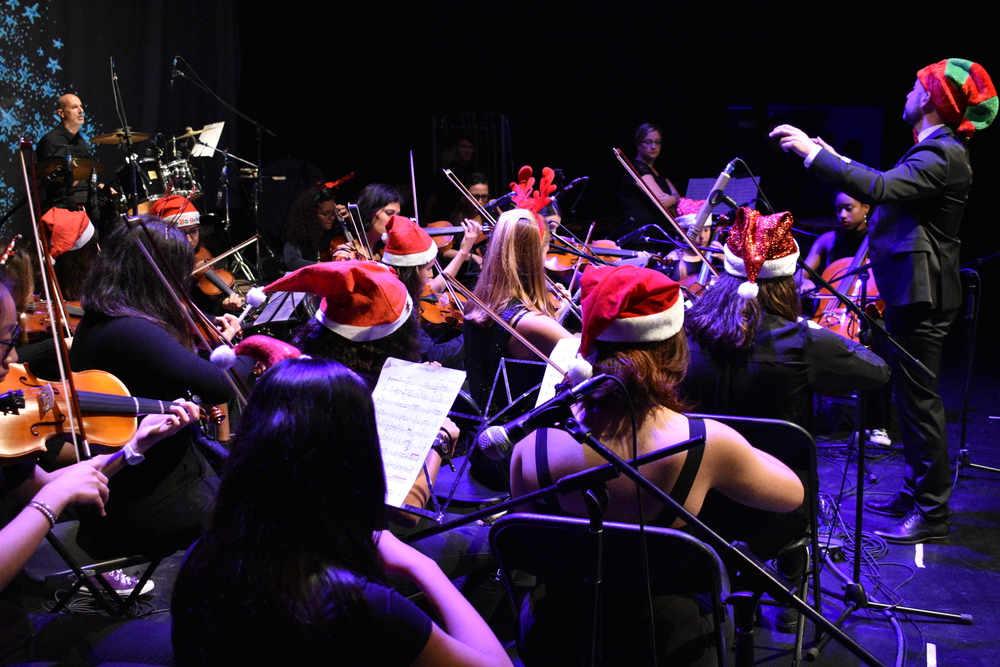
<point x="921" y="329"/>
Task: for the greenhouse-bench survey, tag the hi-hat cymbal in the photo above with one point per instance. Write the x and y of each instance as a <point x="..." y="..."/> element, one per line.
<point x="81" y="167"/>
<point x="190" y="133"/>
<point x="118" y="137"/>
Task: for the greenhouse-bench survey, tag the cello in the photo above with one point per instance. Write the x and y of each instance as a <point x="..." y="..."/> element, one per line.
<point x="843" y="274"/>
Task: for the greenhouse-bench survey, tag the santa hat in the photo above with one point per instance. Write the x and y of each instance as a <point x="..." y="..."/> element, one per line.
<point x="266" y="350"/>
<point x="760" y="246"/>
<point x="68" y="230"/>
<point x="687" y="212"/>
<point x="176" y="209"/>
<point x="361" y="300"/>
<point x="962" y="93"/>
<point x="406" y="244"/>
<point x="627" y="304"/>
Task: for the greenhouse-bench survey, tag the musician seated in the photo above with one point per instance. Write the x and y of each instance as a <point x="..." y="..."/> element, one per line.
<point x="633" y="330"/>
<point x="751" y="353"/>
<point x="377" y="203"/>
<point x="312" y="223"/>
<point x="43" y="496"/>
<point x="182" y="213"/>
<point x="411" y="252"/>
<point x="839" y="243"/>
<point x="134" y="329"/>
<point x="512" y="285"/>
<point x="365" y="318"/>
<point x="293" y="568"/>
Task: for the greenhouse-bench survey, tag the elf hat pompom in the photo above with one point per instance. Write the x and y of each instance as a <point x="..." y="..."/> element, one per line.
<point x="361" y="300"/>
<point x="407" y="244"/>
<point x="627" y="304"/>
<point x="760" y="246"/>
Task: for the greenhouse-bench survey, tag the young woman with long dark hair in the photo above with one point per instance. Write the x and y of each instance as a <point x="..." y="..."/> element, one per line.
<point x="292" y="568"/>
<point x="133" y="329"/>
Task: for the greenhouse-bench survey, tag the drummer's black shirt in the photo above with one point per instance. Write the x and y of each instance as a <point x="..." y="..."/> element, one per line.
<point x="59" y="143"/>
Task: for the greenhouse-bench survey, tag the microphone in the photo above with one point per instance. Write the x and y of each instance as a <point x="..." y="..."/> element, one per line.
<point x="497" y="441"/>
<point x="634" y="235"/>
<point x="499" y="202"/>
<point x="173" y="74"/>
<point x="715" y="195"/>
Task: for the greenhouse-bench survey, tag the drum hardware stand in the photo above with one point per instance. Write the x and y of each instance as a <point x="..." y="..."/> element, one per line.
<point x="258" y="183"/>
<point x="854" y="595"/>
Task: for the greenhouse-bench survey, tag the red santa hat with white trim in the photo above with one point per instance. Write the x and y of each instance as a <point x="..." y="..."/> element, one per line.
<point x="760" y="246"/>
<point x="406" y="244"/>
<point x="626" y="304"/>
<point x="361" y="300"/>
<point x="176" y="209"/>
<point x="68" y="230"/>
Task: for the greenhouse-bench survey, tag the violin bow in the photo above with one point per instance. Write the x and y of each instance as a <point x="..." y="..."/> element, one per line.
<point x="189" y="311"/>
<point x="57" y="314"/>
<point x="630" y="168"/>
<point x="468" y="294"/>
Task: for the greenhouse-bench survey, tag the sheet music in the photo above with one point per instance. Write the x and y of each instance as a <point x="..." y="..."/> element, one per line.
<point x="411" y="402"/>
<point x="562" y="356"/>
<point x="741" y="190"/>
<point x="211" y="135"/>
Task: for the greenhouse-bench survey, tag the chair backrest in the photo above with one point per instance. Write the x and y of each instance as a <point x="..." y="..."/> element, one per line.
<point x="767" y="532"/>
<point x="559" y="551"/>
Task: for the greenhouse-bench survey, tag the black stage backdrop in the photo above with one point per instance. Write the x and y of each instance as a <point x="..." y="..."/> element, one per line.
<point x="355" y="86"/>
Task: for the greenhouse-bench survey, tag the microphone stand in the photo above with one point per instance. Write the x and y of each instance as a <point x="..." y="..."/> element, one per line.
<point x="737" y="555"/>
<point x="854" y="595"/>
<point x="256" y="168"/>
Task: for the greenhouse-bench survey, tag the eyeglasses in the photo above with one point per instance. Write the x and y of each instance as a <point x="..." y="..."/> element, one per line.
<point x="482" y="197"/>
<point x="15" y="338"/>
<point x="651" y="142"/>
<point x="191" y="231"/>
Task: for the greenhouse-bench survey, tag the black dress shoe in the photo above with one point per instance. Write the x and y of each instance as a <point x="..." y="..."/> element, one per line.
<point x="896" y="506"/>
<point x="915" y="529"/>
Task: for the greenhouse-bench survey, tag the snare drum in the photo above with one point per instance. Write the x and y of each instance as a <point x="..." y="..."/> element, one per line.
<point x="180" y="179"/>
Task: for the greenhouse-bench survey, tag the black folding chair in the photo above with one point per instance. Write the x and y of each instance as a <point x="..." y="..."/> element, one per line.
<point x="559" y="551"/>
<point x="769" y="534"/>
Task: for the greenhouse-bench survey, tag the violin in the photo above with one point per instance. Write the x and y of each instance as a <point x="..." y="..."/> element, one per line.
<point x="35" y="321"/>
<point x="604" y="250"/>
<point x="33" y="411"/>
<point x="441" y="309"/>
<point x="214" y="283"/>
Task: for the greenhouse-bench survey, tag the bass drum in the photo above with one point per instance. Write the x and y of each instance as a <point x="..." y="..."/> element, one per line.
<point x="150" y="184"/>
<point x="180" y="179"/>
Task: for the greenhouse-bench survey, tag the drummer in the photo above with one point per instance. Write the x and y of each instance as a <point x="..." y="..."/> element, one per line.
<point x="65" y="140"/>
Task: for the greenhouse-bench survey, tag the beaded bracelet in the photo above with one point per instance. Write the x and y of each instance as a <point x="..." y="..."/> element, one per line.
<point x="46" y="510"/>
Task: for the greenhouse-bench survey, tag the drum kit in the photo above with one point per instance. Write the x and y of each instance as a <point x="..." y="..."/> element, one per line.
<point x="163" y="172"/>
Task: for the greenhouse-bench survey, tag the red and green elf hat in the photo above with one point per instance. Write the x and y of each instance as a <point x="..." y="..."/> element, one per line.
<point x="962" y="93"/>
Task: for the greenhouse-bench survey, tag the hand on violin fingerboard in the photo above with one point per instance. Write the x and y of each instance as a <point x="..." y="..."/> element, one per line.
<point x="229" y="326"/>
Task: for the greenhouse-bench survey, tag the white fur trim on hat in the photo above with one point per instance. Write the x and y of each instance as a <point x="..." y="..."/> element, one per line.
<point x="374" y="332"/>
<point x="256" y="296"/>
<point x="646" y="328"/>
<point x="223" y="357"/>
<point x="414" y="259"/>
<point x="772" y="268"/>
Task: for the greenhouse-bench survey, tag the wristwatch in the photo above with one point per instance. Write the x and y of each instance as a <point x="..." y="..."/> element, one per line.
<point x="132" y="457"/>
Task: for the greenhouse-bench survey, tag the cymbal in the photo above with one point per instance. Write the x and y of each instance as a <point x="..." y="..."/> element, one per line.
<point x="81" y="167"/>
<point x="190" y="133"/>
<point x="118" y="137"/>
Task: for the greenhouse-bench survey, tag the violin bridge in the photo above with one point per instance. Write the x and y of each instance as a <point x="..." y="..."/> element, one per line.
<point x="46" y="400"/>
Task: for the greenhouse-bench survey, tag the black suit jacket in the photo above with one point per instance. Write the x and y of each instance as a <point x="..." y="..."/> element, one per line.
<point x="913" y="230"/>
